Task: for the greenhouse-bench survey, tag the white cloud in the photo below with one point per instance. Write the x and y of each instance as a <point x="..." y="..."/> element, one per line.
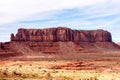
<point x="15" y="10"/>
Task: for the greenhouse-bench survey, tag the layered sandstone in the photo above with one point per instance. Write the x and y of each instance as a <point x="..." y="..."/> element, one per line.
<point x="61" y="34"/>
<point x="61" y="41"/>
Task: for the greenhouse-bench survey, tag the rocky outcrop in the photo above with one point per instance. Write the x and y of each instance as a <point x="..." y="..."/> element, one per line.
<point x="61" y="34"/>
<point x="62" y="42"/>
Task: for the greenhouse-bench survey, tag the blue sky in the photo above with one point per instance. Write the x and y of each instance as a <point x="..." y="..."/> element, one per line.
<point x="75" y="14"/>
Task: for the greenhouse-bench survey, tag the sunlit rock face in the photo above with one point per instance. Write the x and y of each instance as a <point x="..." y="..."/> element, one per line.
<point x="61" y="34"/>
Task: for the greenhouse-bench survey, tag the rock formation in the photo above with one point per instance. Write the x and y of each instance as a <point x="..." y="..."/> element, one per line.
<point x="61" y="34"/>
<point x="61" y="41"/>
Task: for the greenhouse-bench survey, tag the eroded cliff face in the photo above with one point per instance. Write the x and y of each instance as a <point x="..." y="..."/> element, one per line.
<point x="61" y="34"/>
<point x="60" y="41"/>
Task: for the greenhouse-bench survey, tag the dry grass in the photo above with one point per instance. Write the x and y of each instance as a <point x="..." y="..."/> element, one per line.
<point x="40" y="70"/>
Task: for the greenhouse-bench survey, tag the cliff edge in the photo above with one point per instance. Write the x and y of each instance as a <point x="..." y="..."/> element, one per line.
<point x="63" y="42"/>
<point x="61" y="34"/>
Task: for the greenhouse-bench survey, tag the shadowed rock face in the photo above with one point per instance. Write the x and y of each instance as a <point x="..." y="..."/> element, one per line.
<point x="61" y="34"/>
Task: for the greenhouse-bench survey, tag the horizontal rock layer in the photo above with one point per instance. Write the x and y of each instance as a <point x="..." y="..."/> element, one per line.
<point x="61" y="34"/>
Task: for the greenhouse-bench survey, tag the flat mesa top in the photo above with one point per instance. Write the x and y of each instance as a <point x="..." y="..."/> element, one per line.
<point x="61" y="28"/>
<point x="61" y="34"/>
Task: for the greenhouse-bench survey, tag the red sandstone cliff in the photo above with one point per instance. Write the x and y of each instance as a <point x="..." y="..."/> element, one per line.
<point x="61" y="34"/>
<point x="60" y="41"/>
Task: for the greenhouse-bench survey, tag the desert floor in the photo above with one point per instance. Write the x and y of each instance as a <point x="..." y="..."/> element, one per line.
<point x="105" y="69"/>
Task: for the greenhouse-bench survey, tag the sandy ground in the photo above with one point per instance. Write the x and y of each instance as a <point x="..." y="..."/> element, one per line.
<point x="60" y="70"/>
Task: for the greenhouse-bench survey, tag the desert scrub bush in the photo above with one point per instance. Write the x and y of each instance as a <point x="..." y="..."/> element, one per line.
<point x="3" y="79"/>
<point x="44" y="71"/>
<point x="67" y="78"/>
<point x="93" y="78"/>
<point x="30" y="75"/>
<point x="48" y="76"/>
<point x="5" y="72"/>
<point x="20" y="66"/>
<point x="16" y="73"/>
<point x="117" y="63"/>
<point x="24" y="76"/>
<point x="30" y="64"/>
<point x="39" y="67"/>
<point x="54" y="71"/>
<point x="34" y="75"/>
